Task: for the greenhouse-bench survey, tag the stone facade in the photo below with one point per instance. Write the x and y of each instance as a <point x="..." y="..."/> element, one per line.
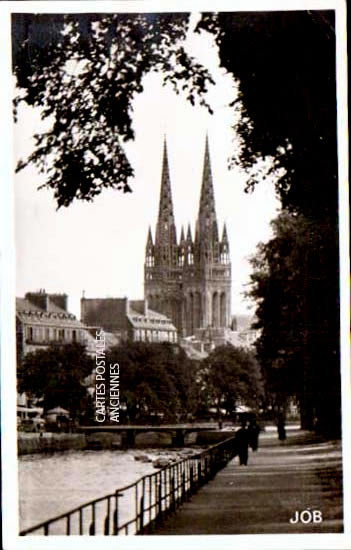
<point x="42" y="319"/>
<point x="189" y="280"/>
<point x="130" y="320"/>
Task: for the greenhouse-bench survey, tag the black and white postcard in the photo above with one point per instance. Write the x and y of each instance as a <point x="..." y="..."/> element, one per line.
<point x="174" y="275"/>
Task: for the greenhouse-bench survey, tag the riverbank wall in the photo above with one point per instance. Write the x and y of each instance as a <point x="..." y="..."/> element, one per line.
<point x="29" y="443"/>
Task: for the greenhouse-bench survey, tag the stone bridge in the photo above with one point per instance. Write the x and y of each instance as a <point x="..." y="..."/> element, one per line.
<point x="129" y="431"/>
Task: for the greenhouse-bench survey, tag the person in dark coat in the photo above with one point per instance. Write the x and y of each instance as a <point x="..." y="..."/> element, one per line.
<point x="242" y="440"/>
<point x="281" y="429"/>
<point x="253" y="433"/>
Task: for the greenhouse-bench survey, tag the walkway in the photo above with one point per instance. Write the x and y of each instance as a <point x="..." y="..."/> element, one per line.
<point x="302" y="472"/>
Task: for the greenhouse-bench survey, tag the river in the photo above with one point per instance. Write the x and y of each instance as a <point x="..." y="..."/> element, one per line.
<point x="50" y="485"/>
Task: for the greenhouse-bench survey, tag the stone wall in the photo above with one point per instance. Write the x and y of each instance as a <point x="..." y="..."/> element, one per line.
<point x="28" y="443"/>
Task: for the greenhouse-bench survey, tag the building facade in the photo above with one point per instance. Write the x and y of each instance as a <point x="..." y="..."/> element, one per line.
<point x="189" y="280"/>
<point x="42" y="319"/>
<point x="130" y="320"/>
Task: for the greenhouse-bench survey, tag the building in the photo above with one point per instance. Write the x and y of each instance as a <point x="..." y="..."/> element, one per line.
<point x="189" y="280"/>
<point x="130" y="320"/>
<point x="42" y="319"/>
<point x="243" y="335"/>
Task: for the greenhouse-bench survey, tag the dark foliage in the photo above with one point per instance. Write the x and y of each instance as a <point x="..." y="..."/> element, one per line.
<point x="56" y="375"/>
<point x="297" y="349"/>
<point x="157" y="381"/>
<point x="232" y="376"/>
<point x="284" y="63"/>
<point x="83" y="71"/>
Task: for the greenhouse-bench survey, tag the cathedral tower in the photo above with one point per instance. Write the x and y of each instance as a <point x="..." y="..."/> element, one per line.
<point x="162" y="272"/>
<point x="189" y="281"/>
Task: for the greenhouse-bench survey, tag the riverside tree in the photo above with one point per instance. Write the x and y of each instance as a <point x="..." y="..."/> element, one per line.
<point x="296" y="347"/>
<point x="157" y="381"/>
<point x="231" y="377"/>
<point x="55" y="376"/>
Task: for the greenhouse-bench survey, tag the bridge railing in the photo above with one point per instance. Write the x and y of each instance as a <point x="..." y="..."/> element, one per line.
<point x="146" y="502"/>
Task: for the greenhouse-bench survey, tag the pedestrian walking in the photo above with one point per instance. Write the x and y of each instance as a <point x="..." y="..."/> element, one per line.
<point x="253" y="433"/>
<point x="281" y="429"/>
<point x="242" y="440"/>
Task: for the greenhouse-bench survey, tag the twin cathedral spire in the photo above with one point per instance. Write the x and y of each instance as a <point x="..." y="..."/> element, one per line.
<point x="189" y="280"/>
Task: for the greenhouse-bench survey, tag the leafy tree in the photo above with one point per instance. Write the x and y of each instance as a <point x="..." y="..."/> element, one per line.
<point x="296" y="349"/>
<point x="56" y="375"/>
<point x="83" y="71"/>
<point x="232" y="375"/>
<point x="156" y="381"/>
<point x="284" y="64"/>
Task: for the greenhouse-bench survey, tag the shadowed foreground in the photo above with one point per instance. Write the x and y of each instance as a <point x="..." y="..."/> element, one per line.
<point x="304" y="472"/>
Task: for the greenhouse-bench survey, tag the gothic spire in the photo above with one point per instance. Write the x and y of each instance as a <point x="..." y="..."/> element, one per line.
<point x="166" y="236"/>
<point x="165" y="212"/>
<point x="149" y="242"/>
<point x="206" y="236"/>
<point x="207" y="203"/>
<point x="224" y="247"/>
<point x="225" y="235"/>
<point x="188" y="234"/>
<point x="182" y="237"/>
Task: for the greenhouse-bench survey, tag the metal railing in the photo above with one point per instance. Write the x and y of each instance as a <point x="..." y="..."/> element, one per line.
<point x="146" y="502"/>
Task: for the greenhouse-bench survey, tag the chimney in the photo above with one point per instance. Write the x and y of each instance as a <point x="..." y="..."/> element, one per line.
<point x="60" y="300"/>
<point x="39" y="299"/>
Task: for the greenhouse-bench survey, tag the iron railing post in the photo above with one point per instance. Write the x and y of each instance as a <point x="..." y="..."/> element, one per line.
<point x="115" y="515"/>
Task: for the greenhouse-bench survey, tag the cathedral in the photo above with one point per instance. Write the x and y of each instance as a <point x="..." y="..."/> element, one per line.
<point x="189" y="280"/>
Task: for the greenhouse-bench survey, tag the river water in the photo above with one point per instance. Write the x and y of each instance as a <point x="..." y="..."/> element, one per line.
<point x="50" y="485"/>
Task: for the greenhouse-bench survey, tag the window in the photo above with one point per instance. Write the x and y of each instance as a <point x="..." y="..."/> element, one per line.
<point x="224" y="258"/>
<point x="190" y="256"/>
<point x="74" y="335"/>
<point x="181" y="258"/>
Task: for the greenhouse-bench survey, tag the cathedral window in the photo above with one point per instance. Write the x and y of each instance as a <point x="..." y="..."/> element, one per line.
<point x="181" y="259"/>
<point x="224" y="258"/>
<point x="190" y="258"/>
<point x="150" y="261"/>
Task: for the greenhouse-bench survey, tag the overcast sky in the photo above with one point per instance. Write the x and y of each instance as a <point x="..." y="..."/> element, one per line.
<point x="99" y="247"/>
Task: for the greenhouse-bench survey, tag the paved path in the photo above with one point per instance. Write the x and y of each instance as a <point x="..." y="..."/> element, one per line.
<point x="303" y="472"/>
